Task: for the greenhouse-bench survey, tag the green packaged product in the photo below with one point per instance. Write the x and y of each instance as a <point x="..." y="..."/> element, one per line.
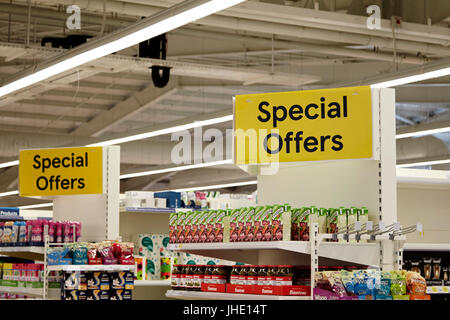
<point x="341" y="224"/>
<point x="188" y="226"/>
<point x="398" y="283"/>
<point x="173" y="227"/>
<point x="262" y="223"/>
<point x="281" y="216"/>
<point x="322" y="220"/>
<point x="234" y="225"/>
<point x="295" y="228"/>
<point x="210" y="223"/>
<point x="332" y="220"/>
<point x="180" y="227"/>
<point x="249" y="224"/>
<point x="303" y="223"/>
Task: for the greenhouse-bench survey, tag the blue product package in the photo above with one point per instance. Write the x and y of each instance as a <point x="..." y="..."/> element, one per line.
<point x="173" y="198"/>
<point x="381" y="297"/>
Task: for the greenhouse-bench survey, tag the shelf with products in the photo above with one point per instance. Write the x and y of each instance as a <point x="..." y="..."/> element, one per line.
<point x="99" y="267"/>
<point x="24" y="252"/>
<point x="426" y="247"/>
<point x="34" y="292"/>
<point x="198" y="295"/>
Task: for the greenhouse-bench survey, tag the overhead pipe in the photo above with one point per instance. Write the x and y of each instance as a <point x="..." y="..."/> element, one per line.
<point x="265" y="27"/>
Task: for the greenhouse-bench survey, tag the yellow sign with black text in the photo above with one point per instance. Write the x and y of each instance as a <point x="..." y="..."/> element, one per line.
<point x="62" y="171"/>
<point x="329" y="124"/>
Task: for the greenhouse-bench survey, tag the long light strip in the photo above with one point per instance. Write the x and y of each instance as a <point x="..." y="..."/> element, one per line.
<point x="164" y="131"/>
<point x="9" y="193"/>
<point x="424" y="163"/>
<point x="172" y="22"/>
<point x="422" y="133"/>
<point x="179" y="168"/>
<point x="9" y="164"/>
<point x="217" y="186"/>
<point x="415" y="78"/>
<point x="34" y="206"/>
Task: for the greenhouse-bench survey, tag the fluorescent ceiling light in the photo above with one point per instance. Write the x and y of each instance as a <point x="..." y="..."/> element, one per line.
<point x="165" y="21"/>
<point x="9" y="164"/>
<point x="179" y="168"/>
<point x="424" y="163"/>
<point x="9" y="193"/>
<point x="422" y="133"/>
<point x="34" y="206"/>
<point x="217" y="186"/>
<point x="164" y="131"/>
<point x="415" y="78"/>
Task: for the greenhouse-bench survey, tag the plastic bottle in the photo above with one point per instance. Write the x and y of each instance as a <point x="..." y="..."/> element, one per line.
<point x="51" y="231"/>
<point x="58" y="232"/>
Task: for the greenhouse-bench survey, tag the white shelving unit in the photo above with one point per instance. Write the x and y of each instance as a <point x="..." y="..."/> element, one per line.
<point x="25" y="252"/>
<point x="199" y="295"/>
<point x="331" y="184"/>
<point x="34" y="292"/>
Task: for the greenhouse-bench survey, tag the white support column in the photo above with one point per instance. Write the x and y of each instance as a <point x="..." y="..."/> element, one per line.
<point x="314" y="242"/>
<point x="112" y="191"/>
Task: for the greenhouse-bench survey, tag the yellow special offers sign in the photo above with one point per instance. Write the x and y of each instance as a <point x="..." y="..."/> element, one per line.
<point x="310" y="125"/>
<point x="62" y="171"/>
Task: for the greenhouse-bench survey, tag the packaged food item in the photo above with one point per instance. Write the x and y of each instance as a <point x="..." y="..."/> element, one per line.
<point x="117" y="280"/>
<point x="75" y="280"/>
<point x="219" y="225"/>
<point x="436" y="269"/>
<point x="180" y="227"/>
<point x="427" y="268"/>
<point x="398" y="282"/>
<point x="415" y="283"/>
<point x="383" y="284"/>
<point x="285" y="275"/>
<point x="188" y="227"/>
<point x="249" y="224"/>
<point x="219" y="274"/>
<point x="58" y="232"/>
<point x="295" y="227"/>
<point x="363" y="282"/>
<point x="234" y="225"/>
<point x="198" y="277"/>
<point x="252" y="275"/>
<point x="262" y="275"/>
<point x="334" y="279"/>
<point x="303" y="222"/>
<point x="210" y="224"/>
<point x="352" y="217"/>
<point x="322" y="220"/>
<point x="7" y="232"/>
<point x="265" y="221"/>
<point x="414" y="265"/>
<point x="281" y="216"/>
<point x="271" y="277"/>
<point x="347" y="281"/>
<point x="15" y="232"/>
<point x="240" y="224"/>
<point x="93" y="280"/>
<point x="173" y="227"/>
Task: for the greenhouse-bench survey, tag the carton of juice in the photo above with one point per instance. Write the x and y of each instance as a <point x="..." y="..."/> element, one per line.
<point x="352" y="217"/>
<point x="210" y="221"/>
<point x="266" y="223"/>
<point x="363" y="218"/>
<point x="303" y="219"/>
<point x="233" y="224"/>
<point x="173" y="227"/>
<point x="201" y="222"/>
<point x="341" y="224"/>
<point x="219" y="225"/>
<point x="295" y="229"/>
<point x="248" y="227"/>
<point x="322" y="220"/>
<point x="194" y="226"/>
<point x="241" y="224"/>
<point x="188" y="227"/>
<point x="180" y="227"/>
<point x="280" y="228"/>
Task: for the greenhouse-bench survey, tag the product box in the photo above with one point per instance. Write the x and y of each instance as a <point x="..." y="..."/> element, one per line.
<point x="283" y="290"/>
<point x="120" y="295"/>
<point x="173" y="199"/>
<point x="140" y="268"/>
<point x="241" y="289"/>
<point x="332" y="219"/>
<point x="303" y="223"/>
<point x="117" y="280"/>
<point x="188" y="227"/>
<point x="173" y="219"/>
<point x="97" y="295"/>
<point x="105" y="280"/>
<point x="93" y="280"/>
<point x="341" y="224"/>
<point x="233" y="224"/>
<point x="75" y="295"/>
<point x="322" y="220"/>
<point x="240" y="224"/>
<point x="195" y="234"/>
<point x="352" y="217"/>
<point x="75" y="280"/>
<point x="281" y="219"/>
<point x="295" y="230"/>
<point x="180" y="227"/>
<point x="210" y="223"/>
<point x="153" y="271"/>
<point x="321" y="294"/>
<point x="202" y="230"/>
<point x="249" y="224"/>
<point x="265" y="223"/>
<point x="221" y="218"/>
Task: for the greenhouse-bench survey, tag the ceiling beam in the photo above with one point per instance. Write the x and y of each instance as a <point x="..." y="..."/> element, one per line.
<point x="135" y="103"/>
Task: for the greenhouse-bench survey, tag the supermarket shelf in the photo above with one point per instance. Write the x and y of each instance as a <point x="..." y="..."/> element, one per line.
<point x="93" y="267"/>
<point x="438" y="289"/>
<point x="198" y="295"/>
<point x="151" y="283"/>
<point x="253" y="252"/>
<point x="31" y="252"/>
<point x="35" y="292"/>
<point x="426" y="247"/>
